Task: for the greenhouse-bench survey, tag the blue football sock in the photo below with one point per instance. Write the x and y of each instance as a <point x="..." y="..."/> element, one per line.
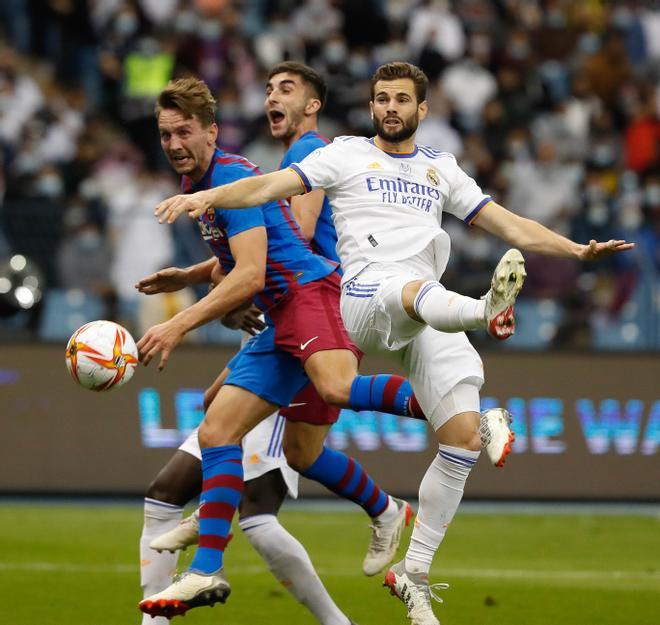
<point x="344" y="476"/>
<point x="384" y="393"/>
<point x="222" y="469"/>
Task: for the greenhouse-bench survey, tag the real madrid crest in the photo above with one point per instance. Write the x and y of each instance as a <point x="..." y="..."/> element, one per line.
<point x="432" y="176"/>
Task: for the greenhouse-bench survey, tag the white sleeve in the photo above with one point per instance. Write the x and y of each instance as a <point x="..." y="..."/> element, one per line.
<point x="322" y="168"/>
<point x="466" y="198"/>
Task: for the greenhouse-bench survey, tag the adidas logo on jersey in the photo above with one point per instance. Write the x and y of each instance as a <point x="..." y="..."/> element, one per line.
<point x="375" y="165"/>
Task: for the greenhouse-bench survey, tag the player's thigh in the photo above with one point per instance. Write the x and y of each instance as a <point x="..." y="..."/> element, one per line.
<point x="179" y="480"/>
<point x="303" y="443"/>
<point x="263" y="494"/>
<point x="212" y="390"/>
<point x="435" y="363"/>
<point x="266" y="371"/>
<point x="232" y="414"/>
<point x="374" y="315"/>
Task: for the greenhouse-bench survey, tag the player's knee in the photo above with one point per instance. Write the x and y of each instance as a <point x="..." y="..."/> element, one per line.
<point x="334" y="391"/>
<point x="467" y="439"/>
<point x="160" y="490"/>
<point x="214" y="435"/>
<point x="473" y="442"/>
<point x="298" y="456"/>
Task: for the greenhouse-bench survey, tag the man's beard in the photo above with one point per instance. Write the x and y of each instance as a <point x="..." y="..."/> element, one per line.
<point x="407" y="130"/>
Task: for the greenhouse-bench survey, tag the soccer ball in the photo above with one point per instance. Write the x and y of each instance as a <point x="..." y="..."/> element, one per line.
<point x="101" y="355"/>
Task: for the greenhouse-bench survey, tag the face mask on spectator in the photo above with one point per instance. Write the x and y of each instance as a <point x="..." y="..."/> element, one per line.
<point x="597" y="215"/>
<point x="186" y="22"/>
<point x="89" y="240"/>
<point x="210" y="30"/>
<point x="603" y="155"/>
<point x="126" y="24"/>
<point x="519" y="50"/>
<point x="518" y="150"/>
<point x="630" y="216"/>
<point x="358" y="66"/>
<point x="335" y="52"/>
<point x="652" y="195"/>
<point x="50" y="186"/>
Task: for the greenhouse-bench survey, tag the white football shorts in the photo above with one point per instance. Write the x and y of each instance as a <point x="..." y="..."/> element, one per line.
<point x="435" y="362"/>
<point x="262" y="452"/>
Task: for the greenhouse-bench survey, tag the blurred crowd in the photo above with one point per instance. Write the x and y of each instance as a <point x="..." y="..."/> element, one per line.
<point x="553" y="106"/>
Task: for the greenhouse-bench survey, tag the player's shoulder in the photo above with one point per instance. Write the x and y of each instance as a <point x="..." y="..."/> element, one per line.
<point x="433" y="154"/>
<point x="232" y="167"/>
<point x="351" y="144"/>
<point x="305" y="145"/>
<point x="352" y="139"/>
<point x="313" y="138"/>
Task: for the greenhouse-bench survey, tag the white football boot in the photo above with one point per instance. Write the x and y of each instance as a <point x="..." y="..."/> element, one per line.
<point x="186" y="533"/>
<point x="505" y="285"/>
<point x="496" y="435"/>
<point x="415" y="592"/>
<point x="188" y="590"/>
<point x="385" y="539"/>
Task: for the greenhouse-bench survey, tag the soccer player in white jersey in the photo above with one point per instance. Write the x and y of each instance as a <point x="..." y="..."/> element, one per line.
<point x="388" y="196"/>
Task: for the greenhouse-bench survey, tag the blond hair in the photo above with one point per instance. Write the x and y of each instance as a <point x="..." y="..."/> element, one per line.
<point x="191" y="96"/>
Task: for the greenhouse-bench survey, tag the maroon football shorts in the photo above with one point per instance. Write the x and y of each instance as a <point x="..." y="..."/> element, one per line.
<point x="307" y="320"/>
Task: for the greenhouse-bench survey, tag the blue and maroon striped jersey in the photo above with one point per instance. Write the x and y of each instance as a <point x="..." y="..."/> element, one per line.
<point x="289" y="257"/>
<point x="325" y="235"/>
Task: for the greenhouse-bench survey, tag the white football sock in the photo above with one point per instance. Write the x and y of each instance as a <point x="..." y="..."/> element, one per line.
<point x="448" y="311"/>
<point x="440" y="493"/>
<point x="157" y="569"/>
<point x="288" y="561"/>
<point x="389" y="513"/>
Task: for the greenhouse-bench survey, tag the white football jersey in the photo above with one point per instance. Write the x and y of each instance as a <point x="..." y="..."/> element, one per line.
<point x="388" y="207"/>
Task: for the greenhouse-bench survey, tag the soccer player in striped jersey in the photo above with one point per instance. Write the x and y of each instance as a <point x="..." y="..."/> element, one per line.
<point x="264" y="257"/>
<point x="267" y="478"/>
<point x="388" y="195"/>
<point x="295" y="95"/>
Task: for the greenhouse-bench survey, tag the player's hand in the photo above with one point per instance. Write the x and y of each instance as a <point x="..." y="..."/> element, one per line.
<point x="597" y="250"/>
<point x="159" y="339"/>
<point x="194" y="204"/>
<point x="164" y="281"/>
<point x="247" y="318"/>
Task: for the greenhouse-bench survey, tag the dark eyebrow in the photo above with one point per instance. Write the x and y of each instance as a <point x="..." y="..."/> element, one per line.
<point x="288" y="81"/>
<point x="396" y="95"/>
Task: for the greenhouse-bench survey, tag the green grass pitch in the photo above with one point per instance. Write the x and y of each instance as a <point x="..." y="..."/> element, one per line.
<point x="77" y="565"/>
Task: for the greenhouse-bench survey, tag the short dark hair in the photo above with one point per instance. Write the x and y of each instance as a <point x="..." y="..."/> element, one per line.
<point x="309" y="76"/>
<point x="191" y="96"/>
<point x="393" y="71"/>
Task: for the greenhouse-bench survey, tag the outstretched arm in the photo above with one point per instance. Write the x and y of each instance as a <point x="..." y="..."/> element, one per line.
<point x="532" y="236"/>
<point x="243" y="193"/>
<point x="245" y="280"/>
<point x="175" y="278"/>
